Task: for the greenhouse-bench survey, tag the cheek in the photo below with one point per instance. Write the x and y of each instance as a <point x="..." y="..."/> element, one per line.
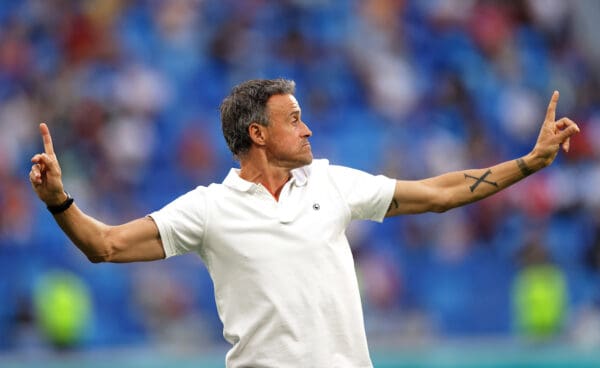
<point x="288" y="138"/>
<point x="285" y="139"/>
<point x="281" y="144"/>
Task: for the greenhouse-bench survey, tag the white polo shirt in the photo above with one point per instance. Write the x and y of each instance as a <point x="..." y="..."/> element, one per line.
<point x="283" y="273"/>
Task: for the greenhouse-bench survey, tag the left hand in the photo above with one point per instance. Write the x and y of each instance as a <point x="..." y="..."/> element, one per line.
<point x="554" y="134"/>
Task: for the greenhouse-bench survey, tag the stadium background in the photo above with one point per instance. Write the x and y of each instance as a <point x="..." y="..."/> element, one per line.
<point x="130" y="90"/>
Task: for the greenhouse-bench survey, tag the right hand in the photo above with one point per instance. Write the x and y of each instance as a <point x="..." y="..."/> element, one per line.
<point x="45" y="175"/>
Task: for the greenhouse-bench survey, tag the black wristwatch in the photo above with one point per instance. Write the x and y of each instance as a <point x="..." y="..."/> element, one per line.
<point x="55" y="210"/>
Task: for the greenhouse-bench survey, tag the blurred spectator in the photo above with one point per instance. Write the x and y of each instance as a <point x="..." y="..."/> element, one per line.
<point x="63" y="309"/>
<point x="540" y="294"/>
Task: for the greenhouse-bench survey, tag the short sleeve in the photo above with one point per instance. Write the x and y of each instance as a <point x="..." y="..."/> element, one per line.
<point x="181" y="223"/>
<point x="368" y="196"/>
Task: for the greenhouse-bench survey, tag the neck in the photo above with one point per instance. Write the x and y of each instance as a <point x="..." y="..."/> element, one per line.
<point x="272" y="177"/>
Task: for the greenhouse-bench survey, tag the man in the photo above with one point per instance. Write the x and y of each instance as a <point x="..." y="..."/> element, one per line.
<point x="272" y="234"/>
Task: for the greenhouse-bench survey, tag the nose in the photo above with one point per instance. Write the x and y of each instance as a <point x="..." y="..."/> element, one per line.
<point x="306" y="132"/>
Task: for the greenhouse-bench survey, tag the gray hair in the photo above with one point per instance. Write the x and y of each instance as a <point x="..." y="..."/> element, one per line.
<point x="246" y="104"/>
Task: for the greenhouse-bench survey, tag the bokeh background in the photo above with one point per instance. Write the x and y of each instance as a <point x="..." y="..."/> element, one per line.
<point x="411" y="89"/>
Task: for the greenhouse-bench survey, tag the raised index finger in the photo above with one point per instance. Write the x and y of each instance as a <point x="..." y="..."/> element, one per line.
<point x="45" y="132"/>
<point x="551" y="112"/>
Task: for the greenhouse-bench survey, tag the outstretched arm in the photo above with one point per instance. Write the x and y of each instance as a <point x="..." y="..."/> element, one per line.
<point x="138" y="240"/>
<point x="447" y="191"/>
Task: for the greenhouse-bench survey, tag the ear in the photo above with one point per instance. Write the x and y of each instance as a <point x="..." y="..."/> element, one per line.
<point x="258" y="133"/>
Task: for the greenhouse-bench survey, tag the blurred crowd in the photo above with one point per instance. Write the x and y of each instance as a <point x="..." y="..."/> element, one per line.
<point x="130" y="90"/>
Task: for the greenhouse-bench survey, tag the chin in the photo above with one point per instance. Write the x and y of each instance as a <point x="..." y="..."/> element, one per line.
<point x="308" y="160"/>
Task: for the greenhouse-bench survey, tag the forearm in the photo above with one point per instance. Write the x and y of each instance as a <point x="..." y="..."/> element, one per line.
<point x="464" y="187"/>
<point x="87" y="233"/>
<point x="134" y="241"/>
<point x="454" y="189"/>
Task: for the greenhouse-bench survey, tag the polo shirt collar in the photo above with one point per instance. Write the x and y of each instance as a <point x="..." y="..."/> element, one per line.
<point x="300" y="176"/>
<point x="234" y="181"/>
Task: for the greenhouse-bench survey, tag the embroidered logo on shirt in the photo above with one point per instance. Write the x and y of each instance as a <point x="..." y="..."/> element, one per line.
<point x="316" y="206"/>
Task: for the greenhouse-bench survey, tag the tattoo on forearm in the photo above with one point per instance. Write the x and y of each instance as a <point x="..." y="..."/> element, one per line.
<point x="393" y="205"/>
<point x="525" y="170"/>
<point x="480" y="180"/>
